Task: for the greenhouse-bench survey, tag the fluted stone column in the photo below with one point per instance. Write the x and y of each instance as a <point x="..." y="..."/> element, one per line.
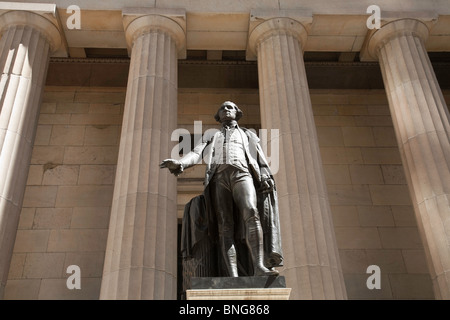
<point x="141" y="258"/>
<point x="421" y="121"/>
<point x="27" y="39"/>
<point x="311" y="266"/>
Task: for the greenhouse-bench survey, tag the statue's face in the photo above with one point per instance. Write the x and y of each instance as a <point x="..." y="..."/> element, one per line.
<point x="227" y="112"/>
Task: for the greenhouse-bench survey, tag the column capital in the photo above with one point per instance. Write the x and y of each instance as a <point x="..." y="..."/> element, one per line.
<point x="265" y="23"/>
<point x="45" y="23"/>
<point x="139" y="21"/>
<point x="392" y="29"/>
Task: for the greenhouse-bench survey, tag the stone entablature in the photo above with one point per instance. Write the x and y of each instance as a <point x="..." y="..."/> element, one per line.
<point x="340" y="28"/>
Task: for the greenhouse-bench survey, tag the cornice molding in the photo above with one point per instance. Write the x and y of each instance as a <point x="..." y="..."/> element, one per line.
<point x="224" y="63"/>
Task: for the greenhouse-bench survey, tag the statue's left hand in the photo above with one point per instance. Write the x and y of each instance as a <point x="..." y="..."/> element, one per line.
<point x="267" y="185"/>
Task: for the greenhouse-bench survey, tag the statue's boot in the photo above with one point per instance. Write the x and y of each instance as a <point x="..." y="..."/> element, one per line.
<point x="255" y="245"/>
<point x="229" y="257"/>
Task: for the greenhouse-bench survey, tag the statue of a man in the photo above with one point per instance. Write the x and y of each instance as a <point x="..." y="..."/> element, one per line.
<point x="240" y="194"/>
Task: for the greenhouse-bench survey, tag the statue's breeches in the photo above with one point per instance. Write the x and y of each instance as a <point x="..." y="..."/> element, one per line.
<point x="229" y="186"/>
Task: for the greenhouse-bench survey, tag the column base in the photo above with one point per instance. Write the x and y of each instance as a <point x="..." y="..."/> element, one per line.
<point x="239" y="288"/>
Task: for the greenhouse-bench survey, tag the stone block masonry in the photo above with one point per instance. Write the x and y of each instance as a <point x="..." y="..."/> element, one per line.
<point x="65" y="215"/>
<point x="62" y="223"/>
<point x="372" y="212"/>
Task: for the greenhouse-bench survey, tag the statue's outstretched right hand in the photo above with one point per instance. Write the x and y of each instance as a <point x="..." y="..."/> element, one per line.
<point x="173" y="165"/>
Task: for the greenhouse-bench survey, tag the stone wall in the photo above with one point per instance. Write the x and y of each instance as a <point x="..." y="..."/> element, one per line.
<point x="65" y="215"/>
<point x="372" y="212"/>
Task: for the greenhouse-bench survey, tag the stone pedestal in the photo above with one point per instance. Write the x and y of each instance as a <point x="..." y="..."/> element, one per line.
<point x="238" y="282"/>
<point x="141" y="260"/>
<point x="422" y="125"/>
<point x="239" y="294"/>
<point x="27" y="40"/>
<point x="239" y="288"/>
<point x="311" y="259"/>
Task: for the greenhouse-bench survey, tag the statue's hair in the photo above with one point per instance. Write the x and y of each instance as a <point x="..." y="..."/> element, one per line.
<point x="239" y="112"/>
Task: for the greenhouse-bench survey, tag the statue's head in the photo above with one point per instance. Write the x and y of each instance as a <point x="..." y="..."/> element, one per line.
<point x="228" y="106"/>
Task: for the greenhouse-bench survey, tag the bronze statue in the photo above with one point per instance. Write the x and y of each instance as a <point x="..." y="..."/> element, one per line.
<point x="240" y="200"/>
